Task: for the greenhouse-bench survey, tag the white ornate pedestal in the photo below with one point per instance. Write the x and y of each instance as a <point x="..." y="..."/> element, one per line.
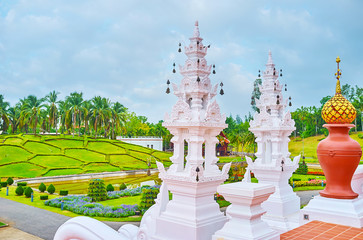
<point x="272" y="127"/>
<point x="245" y="212"/>
<point x="347" y="212"/>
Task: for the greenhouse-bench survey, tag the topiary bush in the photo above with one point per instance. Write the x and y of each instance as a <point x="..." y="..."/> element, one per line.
<point x="19" y="190"/>
<point x="51" y="189"/>
<point x="123" y="186"/>
<point x="28" y="192"/>
<point x="4" y="184"/>
<point x="23" y="184"/>
<point x="97" y="190"/>
<point x="42" y="187"/>
<point x="303" y="168"/>
<point x="148" y="196"/>
<point x="63" y="192"/>
<point x="110" y="188"/>
<point x="10" y="181"/>
<point x="44" y="197"/>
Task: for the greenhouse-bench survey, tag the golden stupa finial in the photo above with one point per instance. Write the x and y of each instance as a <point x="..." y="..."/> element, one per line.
<point x="338" y="109"/>
<point x="338" y="90"/>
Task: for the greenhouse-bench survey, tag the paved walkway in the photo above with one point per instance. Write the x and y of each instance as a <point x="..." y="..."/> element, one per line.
<point x="25" y="220"/>
<point x="32" y="220"/>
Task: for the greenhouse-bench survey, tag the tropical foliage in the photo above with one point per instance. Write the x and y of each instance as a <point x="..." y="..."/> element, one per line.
<point x="96" y="117"/>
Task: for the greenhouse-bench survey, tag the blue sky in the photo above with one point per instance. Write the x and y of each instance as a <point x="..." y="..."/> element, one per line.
<point x="124" y="50"/>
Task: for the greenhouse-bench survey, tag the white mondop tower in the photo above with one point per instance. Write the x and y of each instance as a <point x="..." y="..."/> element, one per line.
<point x="195" y="118"/>
<point x="272" y="127"/>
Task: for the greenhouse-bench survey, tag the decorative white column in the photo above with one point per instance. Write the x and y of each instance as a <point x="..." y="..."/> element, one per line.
<point x="193" y="213"/>
<point x="245" y="212"/>
<point x="272" y="126"/>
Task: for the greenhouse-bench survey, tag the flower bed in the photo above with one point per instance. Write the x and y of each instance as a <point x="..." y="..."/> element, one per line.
<point x="319" y="173"/>
<point x="123" y="193"/>
<point x="313" y="182"/>
<point x="83" y="205"/>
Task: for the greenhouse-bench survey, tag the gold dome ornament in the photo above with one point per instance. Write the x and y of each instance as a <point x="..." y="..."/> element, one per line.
<point x="338" y="109"/>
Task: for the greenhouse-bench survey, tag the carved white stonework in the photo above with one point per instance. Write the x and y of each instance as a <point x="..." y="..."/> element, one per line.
<point x="195" y="119"/>
<point x="272" y="127"/>
<point x="181" y="111"/>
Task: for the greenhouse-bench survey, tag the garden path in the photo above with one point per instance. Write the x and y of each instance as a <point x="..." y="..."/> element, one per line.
<point x="44" y="224"/>
<point x="36" y="221"/>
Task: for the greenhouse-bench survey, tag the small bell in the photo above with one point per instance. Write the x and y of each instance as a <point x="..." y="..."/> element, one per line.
<point x="285" y="89"/>
<point x="221" y="84"/>
<point x="198" y="61"/>
<point x="214" y="71"/>
<point x="259" y="75"/>
<point x="277" y="102"/>
<point x="174" y="68"/>
<point x="197" y="42"/>
<point x="221" y="92"/>
<point x="209" y="46"/>
<point x="280" y="74"/>
<point x="197" y="169"/>
<point x="198" y="79"/>
<point x="168" y="90"/>
<point x="278" y="99"/>
<point x="168" y="82"/>
<point x="179" y="50"/>
<point x="290" y="104"/>
<point x="274" y="73"/>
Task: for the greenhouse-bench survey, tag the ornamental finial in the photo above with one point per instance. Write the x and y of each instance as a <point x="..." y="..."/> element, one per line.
<point x="338" y="90"/>
<point x="196" y="30"/>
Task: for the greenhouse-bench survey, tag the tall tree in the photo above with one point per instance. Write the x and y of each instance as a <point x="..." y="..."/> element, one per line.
<point x="4" y="112"/>
<point x="51" y="98"/>
<point x="75" y="101"/>
<point x="31" y="110"/>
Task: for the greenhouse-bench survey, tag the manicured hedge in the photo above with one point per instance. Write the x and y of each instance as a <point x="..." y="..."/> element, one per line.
<point x="23" y="184"/>
<point x="4" y="184"/>
<point x="43" y="197"/>
<point x="63" y="192"/>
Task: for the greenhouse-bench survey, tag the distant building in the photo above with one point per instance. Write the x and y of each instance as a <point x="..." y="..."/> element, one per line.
<point x="145" y="141"/>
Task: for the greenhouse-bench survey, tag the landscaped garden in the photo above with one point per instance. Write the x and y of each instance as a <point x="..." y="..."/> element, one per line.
<point x="27" y="156"/>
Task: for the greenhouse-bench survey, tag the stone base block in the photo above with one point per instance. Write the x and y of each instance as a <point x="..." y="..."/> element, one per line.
<point x="347" y="212"/>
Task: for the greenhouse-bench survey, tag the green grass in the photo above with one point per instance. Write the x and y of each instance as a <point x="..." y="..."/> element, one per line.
<point x="123" y="200"/>
<point x="56" y="162"/>
<point x="38" y="147"/>
<point x="25" y="156"/>
<point x="85" y="155"/>
<point x="81" y="186"/>
<point x="311" y="144"/>
<point x="308" y="188"/>
<point x="227" y="159"/>
<point x="40" y="204"/>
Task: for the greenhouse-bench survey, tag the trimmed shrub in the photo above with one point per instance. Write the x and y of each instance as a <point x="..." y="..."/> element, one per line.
<point x="42" y="187"/>
<point x="10" y="181"/>
<point x="303" y="168"/>
<point x="360" y="135"/>
<point x="123" y="186"/>
<point x="63" y="192"/>
<point x="97" y="190"/>
<point x="28" y="192"/>
<point x="44" y="197"/>
<point x="19" y="190"/>
<point x="51" y="189"/>
<point x="23" y="184"/>
<point x="4" y="184"/>
<point x="148" y="196"/>
<point x="110" y="188"/>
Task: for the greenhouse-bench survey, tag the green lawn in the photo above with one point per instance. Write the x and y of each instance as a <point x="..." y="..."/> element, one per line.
<point x="26" y="156"/>
<point x="310" y="145"/>
<point x="40" y="204"/>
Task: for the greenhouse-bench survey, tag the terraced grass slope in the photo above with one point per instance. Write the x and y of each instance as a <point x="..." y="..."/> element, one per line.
<point x="24" y="156"/>
<point x="310" y="144"/>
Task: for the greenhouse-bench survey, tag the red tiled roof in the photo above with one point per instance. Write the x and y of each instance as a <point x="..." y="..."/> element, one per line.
<point x="323" y="231"/>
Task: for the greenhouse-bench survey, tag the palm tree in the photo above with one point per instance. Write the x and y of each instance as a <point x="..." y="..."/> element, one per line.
<point x="101" y="113"/>
<point x="51" y="98"/>
<point x="63" y="109"/>
<point x="118" y="117"/>
<point x="75" y="100"/>
<point x="3" y="112"/>
<point x="31" y="110"/>
<point x="14" y="115"/>
<point x="86" y="113"/>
